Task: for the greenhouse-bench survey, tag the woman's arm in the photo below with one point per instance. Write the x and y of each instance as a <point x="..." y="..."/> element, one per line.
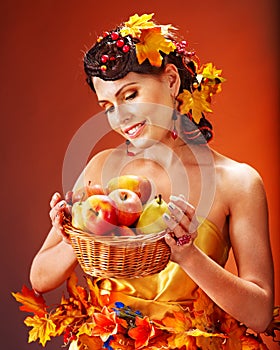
<point x="56" y="259"/>
<point x="248" y="297"/>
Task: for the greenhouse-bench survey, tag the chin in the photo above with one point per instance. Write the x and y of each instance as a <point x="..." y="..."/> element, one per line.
<point x="143" y="143"/>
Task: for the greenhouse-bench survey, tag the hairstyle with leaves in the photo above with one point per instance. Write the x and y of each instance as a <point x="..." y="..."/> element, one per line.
<point x="142" y="46"/>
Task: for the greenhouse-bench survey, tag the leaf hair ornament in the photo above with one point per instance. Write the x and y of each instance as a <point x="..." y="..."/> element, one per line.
<point x="142" y="46"/>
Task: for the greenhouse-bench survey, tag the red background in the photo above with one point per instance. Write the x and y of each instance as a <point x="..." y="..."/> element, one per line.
<point x="44" y="100"/>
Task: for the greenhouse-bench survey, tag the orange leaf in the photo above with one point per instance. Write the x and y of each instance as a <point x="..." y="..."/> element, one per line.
<point x="151" y="42"/>
<point x="31" y="301"/>
<point x="77" y="292"/>
<point x="94" y="291"/>
<point x="178" y="323"/>
<point x="91" y="342"/>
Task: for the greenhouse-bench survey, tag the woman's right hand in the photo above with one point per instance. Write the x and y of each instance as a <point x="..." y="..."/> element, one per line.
<point x="59" y="210"/>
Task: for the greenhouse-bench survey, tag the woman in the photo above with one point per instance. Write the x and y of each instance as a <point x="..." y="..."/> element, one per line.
<point x="155" y="95"/>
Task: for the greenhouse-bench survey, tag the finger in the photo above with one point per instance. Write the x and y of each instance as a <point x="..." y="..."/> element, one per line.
<point x="58" y="221"/>
<point x="186" y="207"/>
<point x="69" y="197"/>
<point x="55" y="199"/>
<point x="179" y="216"/>
<point x="174" y="226"/>
<point x="59" y="207"/>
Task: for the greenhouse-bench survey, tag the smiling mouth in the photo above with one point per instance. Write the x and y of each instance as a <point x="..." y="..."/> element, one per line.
<point x="135" y="130"/>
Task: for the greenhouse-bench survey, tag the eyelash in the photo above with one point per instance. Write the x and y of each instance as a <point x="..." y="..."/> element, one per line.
<point x="129" y="97"/>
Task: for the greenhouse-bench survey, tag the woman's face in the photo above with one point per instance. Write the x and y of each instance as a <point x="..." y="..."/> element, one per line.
<point x="138" y="106"/>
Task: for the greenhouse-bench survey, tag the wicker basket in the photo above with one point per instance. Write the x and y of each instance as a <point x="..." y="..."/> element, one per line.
<point x="119" y="256"/>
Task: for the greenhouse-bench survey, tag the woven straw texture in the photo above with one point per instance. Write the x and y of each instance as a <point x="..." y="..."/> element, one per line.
<point x="119" y="256"/>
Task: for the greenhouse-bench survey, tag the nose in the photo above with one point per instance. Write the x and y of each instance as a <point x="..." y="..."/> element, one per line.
<point x="120" y="116"/>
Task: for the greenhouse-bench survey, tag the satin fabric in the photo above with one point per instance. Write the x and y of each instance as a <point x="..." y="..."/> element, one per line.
<point x="171" y="289"/>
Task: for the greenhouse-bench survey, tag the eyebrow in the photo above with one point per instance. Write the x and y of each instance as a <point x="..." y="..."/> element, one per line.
<point x="119" y="91"/>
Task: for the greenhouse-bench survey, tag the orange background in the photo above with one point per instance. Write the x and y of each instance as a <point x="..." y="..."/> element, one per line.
<point x="44" y="100"/>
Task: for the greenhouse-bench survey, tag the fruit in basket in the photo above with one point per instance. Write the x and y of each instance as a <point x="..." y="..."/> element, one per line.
<point x="151" y="220"/>
<point x="124" y="231"/>
<point x="99" y="214"/>
<point x="128" y="206"/>
<point x="141" y="185"/>
<point x="77" y="217"/>
<point x="83" y="193"/>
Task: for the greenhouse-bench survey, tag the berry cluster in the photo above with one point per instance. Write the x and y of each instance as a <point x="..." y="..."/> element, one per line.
<point x="120" y="44"/>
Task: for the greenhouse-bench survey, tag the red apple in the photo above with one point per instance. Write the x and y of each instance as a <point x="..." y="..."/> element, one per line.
<point x="83" y="193"/>
<point x="99" y="214"/>
<point x="124" y="231"/>
<point x="141" y="185"/>
<point x="94" y="189"/>
<point x="128" y="204"/>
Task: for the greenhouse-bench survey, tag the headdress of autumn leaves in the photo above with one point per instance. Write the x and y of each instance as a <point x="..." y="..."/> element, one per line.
<point x="141" y="42"/>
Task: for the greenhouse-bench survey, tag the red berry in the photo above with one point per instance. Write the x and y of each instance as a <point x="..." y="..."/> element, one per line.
<point x="112" y="58"/>
<point x="114" y="35"/>
<point x="120" y="43"/>
<point x="104" y="58"/>
<point x="126" y="48"/>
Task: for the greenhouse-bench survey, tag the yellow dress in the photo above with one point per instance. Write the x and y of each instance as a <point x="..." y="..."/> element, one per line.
<point x="171" y="289"/>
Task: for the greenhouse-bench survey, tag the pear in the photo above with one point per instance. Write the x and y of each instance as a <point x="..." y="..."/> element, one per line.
<point x="151" y="221"/>
<point x="77" y="215"/>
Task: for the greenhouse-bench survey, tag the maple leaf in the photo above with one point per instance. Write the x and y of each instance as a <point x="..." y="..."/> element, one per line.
<point x="91" y="342"/>
<point x="86" y="328"/>
<point x="96" y="299"/>
<point x="250" y="342"/>
<point x="135" y="24"/>
<point x="31" y="301"/>
<point x="196" y="102"/>
<point x="143" y="331"/>
<point x="234" y="331"/>
<point x="209" y="71"/>
<point x="181" y="339"/>
<point x="43" y="328"/>
<point x="177" y="323"/>
<point x="151" y="42"/>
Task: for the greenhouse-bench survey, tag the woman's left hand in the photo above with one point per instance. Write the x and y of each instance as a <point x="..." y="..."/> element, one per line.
<point x="182" y="226"/>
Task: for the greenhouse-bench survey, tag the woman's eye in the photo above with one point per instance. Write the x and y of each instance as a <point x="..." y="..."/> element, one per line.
<point x="109" y="110"/>
<point x="131" y="96"/>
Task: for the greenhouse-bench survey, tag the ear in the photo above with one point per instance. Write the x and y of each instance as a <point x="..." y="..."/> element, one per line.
<point x="173" y="78"/>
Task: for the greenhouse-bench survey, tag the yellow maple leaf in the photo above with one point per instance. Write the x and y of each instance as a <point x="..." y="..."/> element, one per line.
<point x="151" y="42"/>
<point x="181" y="339"/>
<point x="43" y="328"/>
<point x="209" y="71"/>
<point x="86" y="328"/>
<point x="196" y="101"/>
<point x="135" y="24"/>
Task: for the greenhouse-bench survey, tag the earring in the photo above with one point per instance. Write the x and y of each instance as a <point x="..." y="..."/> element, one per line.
<point x="174" y="132"/>
<point x="131" y="154"/>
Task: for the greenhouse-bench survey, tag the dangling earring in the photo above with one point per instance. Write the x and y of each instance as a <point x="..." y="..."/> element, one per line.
<point x="174" y="132"/>
<point x="131" y="154"/>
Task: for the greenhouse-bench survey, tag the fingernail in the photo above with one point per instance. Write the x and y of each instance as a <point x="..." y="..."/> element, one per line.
<point x="171" y="205"/>
<point x="166" y="217"/>
<point x="173" y="198"/>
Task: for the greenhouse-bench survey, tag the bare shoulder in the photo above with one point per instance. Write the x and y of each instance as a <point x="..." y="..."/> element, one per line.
<point x="237" y="178"/>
